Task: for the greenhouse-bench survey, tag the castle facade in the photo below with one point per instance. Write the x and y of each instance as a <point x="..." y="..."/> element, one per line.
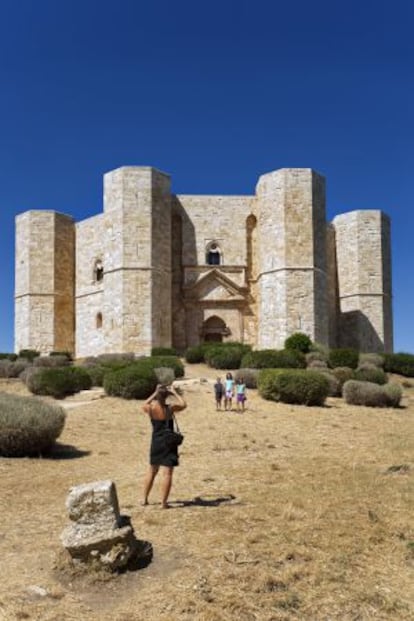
<point x="157" y="269"/>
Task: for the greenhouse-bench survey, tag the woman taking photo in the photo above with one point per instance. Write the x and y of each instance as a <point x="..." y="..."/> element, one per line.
<point x="162" y="454"/>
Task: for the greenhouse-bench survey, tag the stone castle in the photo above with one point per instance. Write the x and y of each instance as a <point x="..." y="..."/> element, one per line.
<point x="158" y="270"/>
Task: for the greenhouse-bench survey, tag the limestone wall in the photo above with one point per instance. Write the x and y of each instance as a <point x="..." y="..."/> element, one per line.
<point x="44" y="302"/>
<point x="90" y="248"/>
<point x="215" y="218"/>
<point x="292" y="256"/>
<point x="364" y="280"/>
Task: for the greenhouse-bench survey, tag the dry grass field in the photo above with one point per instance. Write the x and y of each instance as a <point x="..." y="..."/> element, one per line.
<point x="281" y="513"/>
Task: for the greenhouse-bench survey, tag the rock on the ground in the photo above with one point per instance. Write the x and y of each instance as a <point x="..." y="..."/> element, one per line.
<point x="97" y="534"/>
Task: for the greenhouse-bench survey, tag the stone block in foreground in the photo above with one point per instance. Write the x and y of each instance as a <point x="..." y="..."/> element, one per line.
<point x="97" y="534"/>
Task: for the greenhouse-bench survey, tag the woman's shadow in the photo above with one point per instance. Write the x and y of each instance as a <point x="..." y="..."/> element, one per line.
<point x="199" y="501"/>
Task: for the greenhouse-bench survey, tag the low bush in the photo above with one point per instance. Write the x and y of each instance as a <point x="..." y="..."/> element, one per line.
<point x="194" y="355"/>
<point x="83" y="380"/>
<point x="299" y="341"/>
<point x="163" y="351"/>
<point x="294" y="386"/>
<point x="28" y="372"/>
<point x="342" y="374"/>
<point x="137" y="381"/>
<point x="273" y="359"/>
<point x="11" y="357"/>
<point x="317" y="364"/>
<point x="400" y="363"/>
<point x="108" y="359"/>
<point x="170" y="362"/>
<point x="8" y="368"/>
<point x="57" y="383"/>
<point x="51" y="361"/>
<point x="28" y="426"/>
<point x="371" y="395"/>
<point x="165" y="375"/>
<point x="377" y="360"/>
<point x="96" y="373"/>
<point x="335" y="386"/>
<point x="370" y="373"/>
<point x="344" y="357"/>
<point x="67" y="354"/>
<point x="224" y="357"/>
<point x="393" y="394"/>
<point x="249" y="375"/>
<point x="29" y="354"/>
<point x="319" y="356"/>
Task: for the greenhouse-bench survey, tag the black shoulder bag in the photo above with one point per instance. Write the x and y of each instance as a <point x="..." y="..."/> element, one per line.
<point x="172" y="437"/>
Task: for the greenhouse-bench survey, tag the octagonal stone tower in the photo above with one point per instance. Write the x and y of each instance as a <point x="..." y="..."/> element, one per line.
<point x="292" y="277"/>
<point x="45" y="278"/>
<point x="363" y="255"/>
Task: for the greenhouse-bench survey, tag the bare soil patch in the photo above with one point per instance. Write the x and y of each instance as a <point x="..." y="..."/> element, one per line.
<point x="281" y="513"/>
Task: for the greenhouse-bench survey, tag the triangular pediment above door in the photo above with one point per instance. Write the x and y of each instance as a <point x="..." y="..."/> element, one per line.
<point x="216" y="287"/>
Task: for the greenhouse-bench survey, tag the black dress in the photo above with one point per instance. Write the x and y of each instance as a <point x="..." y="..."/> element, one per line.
<point x="160" y="455"/>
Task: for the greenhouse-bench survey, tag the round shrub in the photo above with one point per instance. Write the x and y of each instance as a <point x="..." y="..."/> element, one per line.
<point x="393" y="393"/>
<point x="11" y="357"/>
<point x="89" y="361"/>
<point x="334" y="383"/>
<point x="294" y="386"/>
<point x="400" y="363"/>
<point x="51" y="361"/>
<point x="249" y="375"/>
<point x="27" y="373"/>
<point x="116" y="361"/>
<point x="170" y="362"/>
<point x="313" y="356"/>
<point x="97" y="374"/>
<point x="344" y="357"/>
<point x="371" y="395"/>
<point x="163" y="351"/>
<point x="28" y="426"/>
<point x="377" y="360"/>
<point x="224" y="357"/>
<point x="12" y="369"/>
<point x="273" y="359"/>
<point x="137" y="381"/>
<point x="83" y="380"/>
<point x="342" y="374"/>
<point x="29" y="354"/>
<point x="194" y="355"/>
<point x="299" y="341"/>
<point x="57" y="383"/>
<point x="370" y="374"/>
<point x="317" y="364"/>
<point x="165" y="375"/>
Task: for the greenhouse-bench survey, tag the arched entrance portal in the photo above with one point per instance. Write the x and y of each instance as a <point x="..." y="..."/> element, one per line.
<point x="214" y="329"/>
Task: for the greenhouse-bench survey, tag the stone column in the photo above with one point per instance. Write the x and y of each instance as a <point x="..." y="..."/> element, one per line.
<point x="292" y="256"/>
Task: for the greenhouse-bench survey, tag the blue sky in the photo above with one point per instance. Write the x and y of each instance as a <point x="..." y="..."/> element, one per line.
<point x="214" y="93"/>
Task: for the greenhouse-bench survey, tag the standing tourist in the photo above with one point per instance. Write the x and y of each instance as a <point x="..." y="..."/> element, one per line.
<point x="240" y="394"/>
<point x="218" y="392"/>
<point x="229" y="391"/>
<point x="161" y="454"/>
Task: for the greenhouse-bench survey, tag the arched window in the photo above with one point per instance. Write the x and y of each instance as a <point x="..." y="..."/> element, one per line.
<point x="98" y="271"/>
<point x="213" y="254"/>
<point x="98" y="321"/>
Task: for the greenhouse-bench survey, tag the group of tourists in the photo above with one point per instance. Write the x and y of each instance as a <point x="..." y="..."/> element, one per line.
<point x="228" y="390"/>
